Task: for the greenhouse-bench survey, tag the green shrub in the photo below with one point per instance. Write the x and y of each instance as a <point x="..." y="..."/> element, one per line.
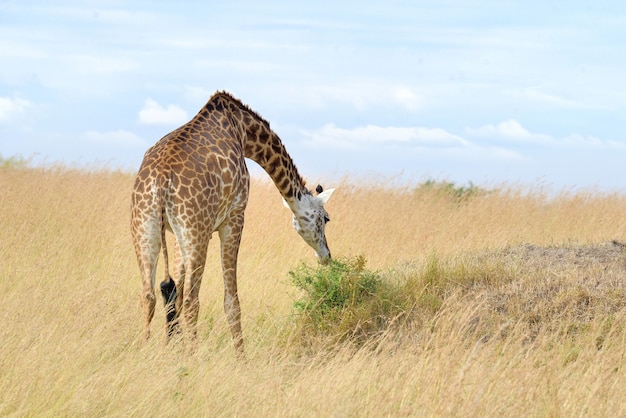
<point x="344" y="301"/>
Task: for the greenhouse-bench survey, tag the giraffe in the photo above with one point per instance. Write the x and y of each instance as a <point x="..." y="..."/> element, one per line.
<point x="194" y="181"/>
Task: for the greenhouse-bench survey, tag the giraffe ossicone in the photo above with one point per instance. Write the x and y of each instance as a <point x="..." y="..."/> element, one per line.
<point x="193" y="182"/>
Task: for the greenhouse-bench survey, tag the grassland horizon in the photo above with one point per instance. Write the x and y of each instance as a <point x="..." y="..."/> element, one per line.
<point x="520" y="305"/>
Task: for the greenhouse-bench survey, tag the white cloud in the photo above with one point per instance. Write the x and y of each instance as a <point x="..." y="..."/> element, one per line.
<point x="11" y="107"/>
<point x="535" y="95"/>
<point x="119" y="16"/>
<point x="330" y="135"/>
<point x="512" y="131"/>
<point x="197" y="94"/>
<point x="101" y="64"/>
<point x="118" y="138"/>
<point x="582" y="141"/>
<point x="361" y="95"/>
<point x="153" y="113"/>
<point x="407" y="98"/>
<point x="394" y="146"/>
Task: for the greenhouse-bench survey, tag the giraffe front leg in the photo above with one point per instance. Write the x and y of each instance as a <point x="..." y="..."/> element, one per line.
<point x="230" y="237"/>
<point x="233" y="309"/>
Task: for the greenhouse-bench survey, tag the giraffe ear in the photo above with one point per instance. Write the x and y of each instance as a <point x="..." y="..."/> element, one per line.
<point x="325" y="195"/>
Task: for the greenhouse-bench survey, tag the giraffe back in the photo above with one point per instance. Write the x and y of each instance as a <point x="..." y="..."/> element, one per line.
<point x="197" y="174"/>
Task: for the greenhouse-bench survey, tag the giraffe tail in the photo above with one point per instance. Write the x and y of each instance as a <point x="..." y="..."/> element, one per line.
<point x="168" y="287"/>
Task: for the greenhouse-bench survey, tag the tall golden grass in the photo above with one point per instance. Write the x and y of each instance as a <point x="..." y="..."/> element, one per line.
<point x="513" y="333"/>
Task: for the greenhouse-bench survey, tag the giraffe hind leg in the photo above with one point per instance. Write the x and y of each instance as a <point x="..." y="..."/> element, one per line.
<point x="147" y="257"/>
<point x="230" y="237"/>
<point x="148" y="300"/>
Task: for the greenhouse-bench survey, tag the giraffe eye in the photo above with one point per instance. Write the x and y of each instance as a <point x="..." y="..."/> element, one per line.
<point x="326" y="220"/>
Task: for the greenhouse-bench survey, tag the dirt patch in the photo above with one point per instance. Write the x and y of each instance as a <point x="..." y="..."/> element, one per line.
<point x="608" y="255"/>
<point x="565" y="288"/>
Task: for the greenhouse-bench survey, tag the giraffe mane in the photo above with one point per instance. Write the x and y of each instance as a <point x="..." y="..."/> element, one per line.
<point x="245" y="107"/>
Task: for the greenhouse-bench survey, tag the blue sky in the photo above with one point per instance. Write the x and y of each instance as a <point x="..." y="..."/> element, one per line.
<point x="483" y="91"/>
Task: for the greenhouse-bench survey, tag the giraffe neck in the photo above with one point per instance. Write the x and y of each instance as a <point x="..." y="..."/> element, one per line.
<point x="265" y="148"/>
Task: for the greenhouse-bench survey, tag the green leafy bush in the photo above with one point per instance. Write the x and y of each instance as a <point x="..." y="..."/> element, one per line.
<point x="344" y="301"/>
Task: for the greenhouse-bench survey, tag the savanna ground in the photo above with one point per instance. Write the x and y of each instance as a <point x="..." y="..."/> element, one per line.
<point x="509" y="302"/>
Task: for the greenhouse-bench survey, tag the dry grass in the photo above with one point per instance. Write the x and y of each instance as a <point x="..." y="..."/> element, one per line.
<point x="501" y="328"/>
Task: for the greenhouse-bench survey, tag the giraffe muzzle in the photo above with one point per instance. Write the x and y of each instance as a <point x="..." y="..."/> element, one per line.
<point x="324" y="259"/>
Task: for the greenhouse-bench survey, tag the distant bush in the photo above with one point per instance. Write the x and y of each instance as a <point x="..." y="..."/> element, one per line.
<point x="452" y="190"/>
<point x="13" y="162"/>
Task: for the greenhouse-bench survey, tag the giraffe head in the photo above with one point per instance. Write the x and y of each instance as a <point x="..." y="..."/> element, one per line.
<point x="310" y="219"/>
